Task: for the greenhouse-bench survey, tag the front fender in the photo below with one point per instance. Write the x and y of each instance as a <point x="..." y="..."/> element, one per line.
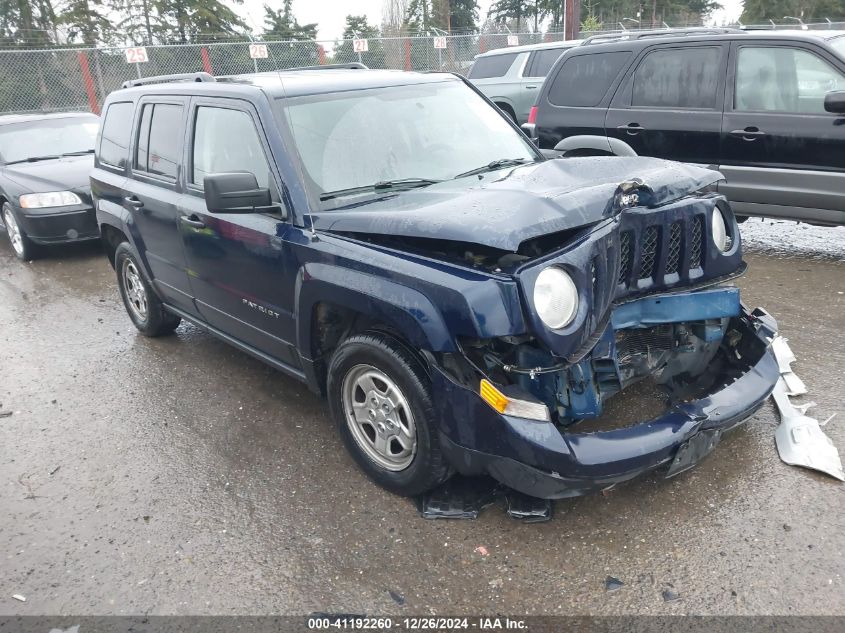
<point x="400" y="306"/>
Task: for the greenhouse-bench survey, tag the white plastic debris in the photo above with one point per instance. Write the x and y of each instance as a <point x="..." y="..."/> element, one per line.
<point x="800" y="439"/>
<point x="19" y="597"/>
<point x="784" y="356"/>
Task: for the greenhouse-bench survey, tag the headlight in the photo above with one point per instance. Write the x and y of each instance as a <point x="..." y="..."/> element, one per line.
<point x="555" y="297"/>
<point x="50" y="199"/>
<point x="720" y="231"/>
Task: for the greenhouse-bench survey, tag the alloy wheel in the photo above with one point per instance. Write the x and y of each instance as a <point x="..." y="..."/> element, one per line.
<point x="136" y="293"/>
<point x="379" y="417"/>
<point x="13" y="231"/>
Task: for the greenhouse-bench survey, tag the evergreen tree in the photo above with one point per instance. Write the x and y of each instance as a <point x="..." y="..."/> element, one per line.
<point x="358" y="27"/>
<point x="87" y="22"/>
<point x="757" y="11"/>
<point x="183" y="21"/>
<point x="137" y="20"/>
<point x="281" y="24"/>
<point x="425" y="16"/>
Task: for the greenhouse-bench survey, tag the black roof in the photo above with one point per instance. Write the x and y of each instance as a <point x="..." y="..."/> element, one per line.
<point x="294" y="83"/>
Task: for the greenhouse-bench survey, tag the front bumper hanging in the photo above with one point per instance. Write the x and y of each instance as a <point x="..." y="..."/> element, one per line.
<point x="539" y="459"/>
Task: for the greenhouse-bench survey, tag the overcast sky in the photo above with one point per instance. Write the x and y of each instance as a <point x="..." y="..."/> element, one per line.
<point x="330" y="15"/>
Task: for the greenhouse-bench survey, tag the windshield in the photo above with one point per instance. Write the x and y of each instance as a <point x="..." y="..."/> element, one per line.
<point x="47" y="138"/>
<point x="420" y="134"/>
<point x="838" y="44"/>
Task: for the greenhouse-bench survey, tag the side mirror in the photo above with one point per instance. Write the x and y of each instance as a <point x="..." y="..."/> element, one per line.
<point x="235" y="192"/>
<point x="835" y="102"/>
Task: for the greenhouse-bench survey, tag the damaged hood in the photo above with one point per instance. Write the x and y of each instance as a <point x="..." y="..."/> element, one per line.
<point x="508" y="206"/>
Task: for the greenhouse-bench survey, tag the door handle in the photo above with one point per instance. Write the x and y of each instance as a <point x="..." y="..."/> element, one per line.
<point x="531" y="87"/>
<point x="133" y="202"/>
<point x="748" y="134"/>
<point x="193" y="220"/>
<point x="632" y="128"/>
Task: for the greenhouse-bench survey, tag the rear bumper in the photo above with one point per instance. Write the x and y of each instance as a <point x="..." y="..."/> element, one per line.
<point x="71" y="225"/>
<point x="538" y="459"/>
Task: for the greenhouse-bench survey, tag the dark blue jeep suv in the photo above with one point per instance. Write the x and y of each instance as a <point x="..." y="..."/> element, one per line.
<point x="463" y="302"/>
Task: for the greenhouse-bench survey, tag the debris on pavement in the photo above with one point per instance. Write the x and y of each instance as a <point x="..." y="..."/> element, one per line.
<point x="459" y="498"/>
<point x="612" y="584"/>
<point x="398" y="598"/>
<point x="801" y="441"/>
<point x="465" y="497"/>
<point x="5" y="414"/>
<point x="670" y="596"/>
<point x="785" y="357"/>
<point x="55" y="470"/>
<point x="799" y="438"/>
<point x="481" y="550"/>
<point x="528" y="509"/>
<point x="19" y="597"/>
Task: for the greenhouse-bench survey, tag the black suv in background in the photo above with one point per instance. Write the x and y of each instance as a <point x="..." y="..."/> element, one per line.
<point x="766" y="108"/>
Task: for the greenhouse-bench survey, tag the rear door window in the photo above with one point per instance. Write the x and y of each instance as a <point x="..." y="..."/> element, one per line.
<point x="583" y="80"/>
<point x="114" y="140"/>
<point x="542" y="61"/>
<point x="678" y="78"/>
<point x="159" y="135"/>
<point x="492" y="66"/>
<point x="783" y="79"/>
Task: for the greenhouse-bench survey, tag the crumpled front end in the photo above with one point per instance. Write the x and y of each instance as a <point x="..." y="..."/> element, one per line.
<point x="654" y="314"/>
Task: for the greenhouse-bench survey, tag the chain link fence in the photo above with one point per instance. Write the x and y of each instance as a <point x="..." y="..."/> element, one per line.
<point x="80" y="78"/>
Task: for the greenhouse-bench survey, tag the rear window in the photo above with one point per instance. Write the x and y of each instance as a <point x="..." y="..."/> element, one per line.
<point x="678" y="78"/>
<point x="542" y="61"/>
<point x="583" y="80"/>
<point x="492" y="66"/>
<point x="158" y="139"/>
<point x="114" y="141"/>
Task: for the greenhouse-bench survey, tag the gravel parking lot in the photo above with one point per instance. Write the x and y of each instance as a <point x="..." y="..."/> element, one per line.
<point x="179" y="476"/>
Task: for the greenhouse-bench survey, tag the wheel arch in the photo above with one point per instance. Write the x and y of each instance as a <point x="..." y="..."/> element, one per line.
<point x="505" y="106"/>
<point x="111" y="237"/>
<point x="596" y="143"/>
<point x="333" y="304"/>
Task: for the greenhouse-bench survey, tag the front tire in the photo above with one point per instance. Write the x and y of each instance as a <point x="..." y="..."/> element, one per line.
<point x="140" y="300"/>
<point x="380" y="398"/>
<point x="24" y="248"/>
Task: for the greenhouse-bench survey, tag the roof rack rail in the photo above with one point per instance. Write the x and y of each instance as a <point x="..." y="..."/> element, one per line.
<point x="349" y="66"/>
<point x="163" y="79"/>
<point x="623" y="36"/>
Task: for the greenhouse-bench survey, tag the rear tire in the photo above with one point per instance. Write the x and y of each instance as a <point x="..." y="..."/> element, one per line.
<point x="140" y="300"/>
<point x="23" y="247"/>
<point x="380" y="398"/>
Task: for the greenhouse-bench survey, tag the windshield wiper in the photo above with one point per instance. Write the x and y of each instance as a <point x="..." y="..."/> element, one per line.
<point x="35" y="159"/>
<point x="399" y="183"/>
<point x="32" y="159"/>
<point x="496" y="164"/>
